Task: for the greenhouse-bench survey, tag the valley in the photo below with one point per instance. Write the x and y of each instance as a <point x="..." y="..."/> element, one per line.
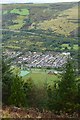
<point x="40" y="58"/>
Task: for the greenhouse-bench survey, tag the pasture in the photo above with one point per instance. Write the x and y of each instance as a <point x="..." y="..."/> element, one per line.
<point x="20" y="11"/>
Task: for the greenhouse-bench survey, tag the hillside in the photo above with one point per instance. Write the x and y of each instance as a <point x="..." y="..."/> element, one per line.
<point x="40" y="27"/>
<point x="41" y="16"/>
<point x="64" y="23"/>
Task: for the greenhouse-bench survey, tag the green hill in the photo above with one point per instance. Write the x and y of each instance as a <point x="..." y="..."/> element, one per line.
<point x="40" y="27"/>
<point x="60" y="18"/>
<point x="64" y="23"/>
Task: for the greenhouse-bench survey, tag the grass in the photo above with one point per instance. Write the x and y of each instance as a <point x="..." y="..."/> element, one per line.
<point x="5" y="12"/>
<point x="19" y="21"/>
<point x="23" y="12"/>
<point x="28" y="43"/>
<point x="39" y="44"/>
<point x="62" y="25"/>
<point x="20" y="11"/>
<point x="40" y="77"/>
<point x="66" y="45"/>
<point x="75" y="47"/>
<point x="13" y="47"/>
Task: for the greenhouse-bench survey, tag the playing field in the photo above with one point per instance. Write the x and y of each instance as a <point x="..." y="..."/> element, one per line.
<point x="41" y="77"/>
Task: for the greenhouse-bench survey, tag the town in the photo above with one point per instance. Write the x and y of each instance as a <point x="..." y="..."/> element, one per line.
<point x="38" y="59"/>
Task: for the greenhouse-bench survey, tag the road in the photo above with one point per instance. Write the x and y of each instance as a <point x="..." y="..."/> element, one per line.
<point x="17" y="31"/>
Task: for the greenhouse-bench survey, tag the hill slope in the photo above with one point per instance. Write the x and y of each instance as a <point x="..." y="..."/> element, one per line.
<point x="64" y="23"/>
<point x="60" y="18"/>
<point x="40" y="27"/>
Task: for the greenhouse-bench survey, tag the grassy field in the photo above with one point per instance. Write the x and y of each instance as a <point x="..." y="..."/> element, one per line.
<point x="38" y="76"/>
<point x="20" y="11"/>
<point x="75" y="47"/>
<point x="12" y="47"/>
<point x="41" y="77"/>
<point x="19" y="23"/>
<point x="65" y="45"/>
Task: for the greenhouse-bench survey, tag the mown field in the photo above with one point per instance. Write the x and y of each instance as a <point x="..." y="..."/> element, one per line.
<point x="40" y="77"/>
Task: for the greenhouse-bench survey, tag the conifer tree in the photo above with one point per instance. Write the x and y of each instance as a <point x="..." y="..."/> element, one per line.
<point x="12" y="87"/>
<point x="62" y="96"/>
<point x="7" y="78"/>
<point x="17" y="96"/>
<point x="67" y="87"/>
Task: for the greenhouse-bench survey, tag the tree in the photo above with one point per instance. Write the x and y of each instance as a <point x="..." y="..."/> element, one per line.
<point x="7" y="78"/>
<point x="12" y="87"/>
<point x="67" y="87"/>
<point x="52" y="97"/>
<point x="17" y="96"/>
<point x="29" y="91"/>
<point x="62" y="96"/>
<point x="79" y="59"/>
<point x="78" y="97"/>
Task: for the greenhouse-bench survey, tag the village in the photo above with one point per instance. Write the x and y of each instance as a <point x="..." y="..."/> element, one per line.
<point x="37" y="59"/>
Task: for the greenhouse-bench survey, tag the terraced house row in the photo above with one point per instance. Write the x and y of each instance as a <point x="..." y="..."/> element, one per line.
<point x="38" y="59"/>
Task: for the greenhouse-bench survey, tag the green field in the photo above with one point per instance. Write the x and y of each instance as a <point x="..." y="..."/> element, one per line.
<point x="18" y="11"/>
<point x="75" y="47"/>
<point x="41" y="77"/>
